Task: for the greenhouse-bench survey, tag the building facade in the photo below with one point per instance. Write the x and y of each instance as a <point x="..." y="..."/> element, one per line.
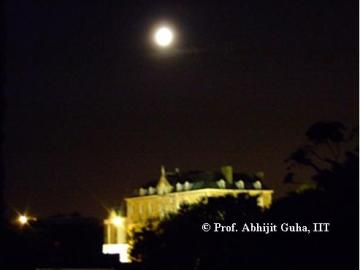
<point x="156" y="200"/>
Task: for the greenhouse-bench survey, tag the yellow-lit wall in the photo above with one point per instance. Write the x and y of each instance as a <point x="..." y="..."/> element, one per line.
<point x="115" y="233"/>
<point x="142" y="208"/>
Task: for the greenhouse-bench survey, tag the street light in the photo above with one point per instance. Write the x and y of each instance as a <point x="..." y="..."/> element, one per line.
<point x="23" y="220"/>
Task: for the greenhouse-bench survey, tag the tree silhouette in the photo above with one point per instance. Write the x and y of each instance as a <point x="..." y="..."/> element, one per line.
<point x="178" y="242"/>
<point x="333" y="157"/>
<point x="325" y="151"/>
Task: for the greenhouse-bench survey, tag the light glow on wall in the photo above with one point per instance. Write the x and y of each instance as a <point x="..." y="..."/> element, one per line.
<point x="116" y="220"/>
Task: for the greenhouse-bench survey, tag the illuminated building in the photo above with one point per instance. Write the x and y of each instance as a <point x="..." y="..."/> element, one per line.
<point x="155" y="200"/>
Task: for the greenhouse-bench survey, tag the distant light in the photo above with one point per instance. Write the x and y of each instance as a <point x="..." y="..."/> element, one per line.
<point x="23" y="220"/>
<point x="164" y="36"/>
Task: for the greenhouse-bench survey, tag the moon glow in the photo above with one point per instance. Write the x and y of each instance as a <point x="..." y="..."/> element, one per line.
<point x="163" y="36"/>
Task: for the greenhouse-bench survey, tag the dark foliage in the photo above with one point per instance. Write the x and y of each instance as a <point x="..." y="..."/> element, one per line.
<point x="179" y="243"/>
<point x="329" y="146"/>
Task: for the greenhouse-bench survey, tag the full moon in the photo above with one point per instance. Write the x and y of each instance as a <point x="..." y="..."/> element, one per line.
<point x="163" y="36"/>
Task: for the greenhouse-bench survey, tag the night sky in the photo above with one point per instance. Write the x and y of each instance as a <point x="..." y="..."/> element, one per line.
<point x="94" y="109"/>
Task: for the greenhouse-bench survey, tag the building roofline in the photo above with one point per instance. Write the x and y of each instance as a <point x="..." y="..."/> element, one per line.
<point x="201" y="190"/>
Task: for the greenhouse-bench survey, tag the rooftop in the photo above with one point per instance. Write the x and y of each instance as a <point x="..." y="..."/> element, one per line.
<point x="197" y="179"/>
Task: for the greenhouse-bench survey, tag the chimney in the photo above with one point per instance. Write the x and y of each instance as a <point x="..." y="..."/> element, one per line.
<point x="227" y="172"/>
